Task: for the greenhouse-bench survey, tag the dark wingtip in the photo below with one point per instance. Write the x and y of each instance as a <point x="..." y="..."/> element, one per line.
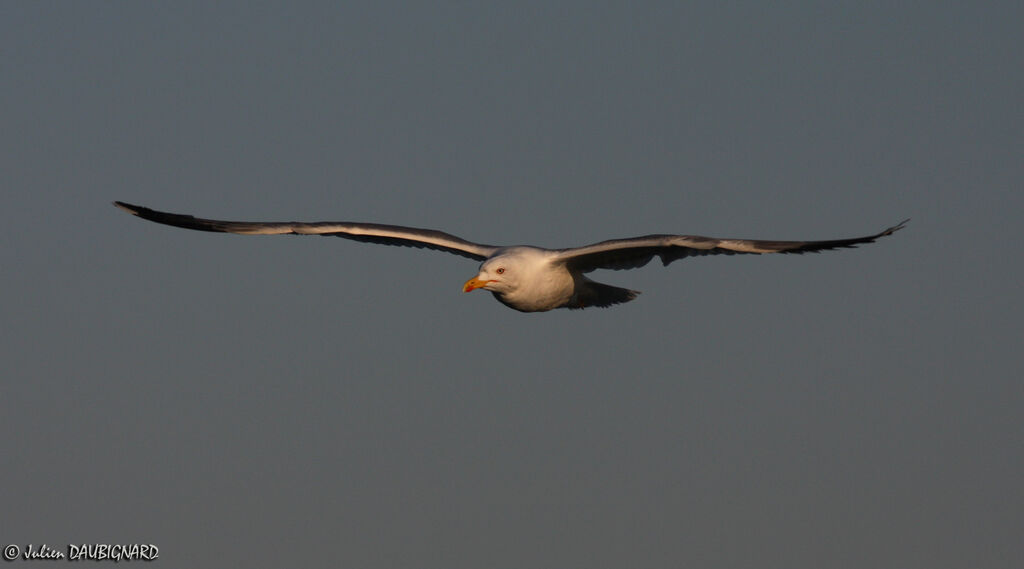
<point x="132" y="209"/>
<point x="895" y="228"/>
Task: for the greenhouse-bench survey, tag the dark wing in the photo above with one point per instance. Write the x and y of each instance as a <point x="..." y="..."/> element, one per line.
<point x="632" y="253"/>
<point x="365" y="232"/>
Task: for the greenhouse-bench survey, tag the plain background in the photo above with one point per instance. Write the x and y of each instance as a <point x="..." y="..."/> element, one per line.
<point x="273" y="401"/>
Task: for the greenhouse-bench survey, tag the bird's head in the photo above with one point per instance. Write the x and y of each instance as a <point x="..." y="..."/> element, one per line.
<point x="498" y="274"/>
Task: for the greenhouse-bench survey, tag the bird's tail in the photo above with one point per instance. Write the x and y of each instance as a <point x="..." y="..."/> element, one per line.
<point x="590" y="293"/>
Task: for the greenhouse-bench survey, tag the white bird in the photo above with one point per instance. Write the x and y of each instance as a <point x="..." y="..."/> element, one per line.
<point x="528" y="279"/>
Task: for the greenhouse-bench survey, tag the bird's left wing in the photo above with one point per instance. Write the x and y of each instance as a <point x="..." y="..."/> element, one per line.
<point x="618" y="254"/>
<point x="365" y="232"/>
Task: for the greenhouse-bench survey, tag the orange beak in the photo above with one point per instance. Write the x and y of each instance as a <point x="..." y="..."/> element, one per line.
<point x="473" y="284"/>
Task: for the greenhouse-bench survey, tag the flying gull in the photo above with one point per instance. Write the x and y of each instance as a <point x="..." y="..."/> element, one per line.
<point x="528" y="279"/>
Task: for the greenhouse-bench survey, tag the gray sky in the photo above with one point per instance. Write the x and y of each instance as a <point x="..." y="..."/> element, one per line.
<point x="285" y="401"/>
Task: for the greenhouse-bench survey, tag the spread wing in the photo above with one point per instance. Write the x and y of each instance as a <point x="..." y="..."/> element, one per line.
<point x="365" y="232"/>
<point x="618" y="254"/>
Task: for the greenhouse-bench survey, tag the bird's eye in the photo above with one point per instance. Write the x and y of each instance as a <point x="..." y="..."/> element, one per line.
<point x="500" y="271"/>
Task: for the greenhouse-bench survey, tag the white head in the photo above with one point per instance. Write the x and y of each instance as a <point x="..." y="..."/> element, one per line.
<point x="525" y="279"/>
<point x="499" y="274"/>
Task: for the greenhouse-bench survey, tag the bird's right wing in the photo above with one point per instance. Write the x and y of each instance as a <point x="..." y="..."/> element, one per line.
<point x="365" y="232"/>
